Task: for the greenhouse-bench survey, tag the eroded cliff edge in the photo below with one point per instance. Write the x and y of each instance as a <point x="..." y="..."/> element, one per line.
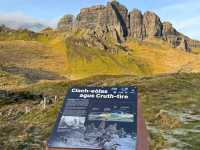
<point x="115" y="19"/>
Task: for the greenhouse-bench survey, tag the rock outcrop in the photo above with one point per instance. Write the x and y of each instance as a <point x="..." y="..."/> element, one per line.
<point x="152" y="25"/>
<point x="168" y="30"/>
<point x="66" y="23"/>
<point x="136" y="24"/>
<point x="183" y="44"/>
<point x="114" y="19"/>
<point x="193" y="43"/>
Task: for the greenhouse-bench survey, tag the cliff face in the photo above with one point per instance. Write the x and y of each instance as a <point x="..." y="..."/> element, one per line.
<point x="152" y="24"/>
<point x="115" y="19"/>
<point x="66" y="23"/>
<point x="136" y="24"/>
<point x="194" y="43"/>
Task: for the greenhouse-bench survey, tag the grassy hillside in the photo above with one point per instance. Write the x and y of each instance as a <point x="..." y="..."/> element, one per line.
<point x="196" y="50"/>
<point x="85" y="61"/>
<point x="58" y="54"/>
<point x="162" y="58"/>
<point x="36" y="64"/>
<point x="170" y="106"/>
<point x="150" y="57"/>
<point x="31" y="60"/>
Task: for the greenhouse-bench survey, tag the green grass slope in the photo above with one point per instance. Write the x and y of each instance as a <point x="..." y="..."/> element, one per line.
<point x="84" y="61"/>
<point x="68" y="54"/>
<point x="37" y="64"/>
<point x="149" y="57"/>
<point x="170" y="106"/>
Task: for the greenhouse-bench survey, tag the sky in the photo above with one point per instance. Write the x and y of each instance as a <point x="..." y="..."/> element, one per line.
<point x="183" y="14"/>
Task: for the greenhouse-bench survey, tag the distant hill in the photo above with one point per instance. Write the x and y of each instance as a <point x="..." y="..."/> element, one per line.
<point x="33" y="27"/>
<point x="24" y="25"/>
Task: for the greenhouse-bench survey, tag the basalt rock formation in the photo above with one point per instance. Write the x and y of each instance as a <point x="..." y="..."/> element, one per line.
<point x="152" y="25"/>
<point x="193" y="43"/>
<point x="112" y="18"/>
<point x="115" y="19"/>
<point x="66" y="23"/>
<point x="136" y="24"/>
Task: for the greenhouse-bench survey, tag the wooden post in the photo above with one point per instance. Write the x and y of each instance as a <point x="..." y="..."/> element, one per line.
<point x="44" y="102"/>
<point x="27" y="110"/>
<point x="56" y="98"/>
<point x="142" y="133"/>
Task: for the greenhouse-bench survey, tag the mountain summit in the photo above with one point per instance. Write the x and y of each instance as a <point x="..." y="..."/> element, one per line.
<point x="114" y="18"/>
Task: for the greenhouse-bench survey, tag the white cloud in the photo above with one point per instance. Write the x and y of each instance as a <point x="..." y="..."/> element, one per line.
<point x="184" y="16"/>
<point x="16" y="16"/>
<point x="188" y="22"/>
<point x="18" y="19"/>
<point x="184" y="8"/>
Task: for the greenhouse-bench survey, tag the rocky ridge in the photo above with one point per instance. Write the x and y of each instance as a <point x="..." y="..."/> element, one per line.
<point x="66" y="23"/>
<point x="114" y="18"/>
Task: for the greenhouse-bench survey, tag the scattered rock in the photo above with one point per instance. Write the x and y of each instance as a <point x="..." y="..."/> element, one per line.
<point x="27" y="110"/>
<point x="184" y="117"/>
<point x="197" y="127"/>
<point x="166" y="120"/>
<point x="179" y="145"/>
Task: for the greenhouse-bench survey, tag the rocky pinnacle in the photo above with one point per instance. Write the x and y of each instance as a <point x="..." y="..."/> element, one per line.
<point x="123" y="24"/>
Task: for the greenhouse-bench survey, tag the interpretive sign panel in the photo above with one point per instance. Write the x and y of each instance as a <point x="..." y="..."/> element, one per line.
<point x="102" y="118"/>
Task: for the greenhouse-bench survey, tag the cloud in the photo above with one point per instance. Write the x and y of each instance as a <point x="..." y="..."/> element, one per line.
<point x="184" y="16"/>
<point x="183" y="9"/>
<point x="18" y="19"/>
<point x="188" y="22"/>
<point x="190" y="27"/>
<point x="16" y="16"/>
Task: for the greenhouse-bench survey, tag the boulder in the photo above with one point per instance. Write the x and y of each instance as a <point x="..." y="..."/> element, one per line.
<point x="184" y="45"/>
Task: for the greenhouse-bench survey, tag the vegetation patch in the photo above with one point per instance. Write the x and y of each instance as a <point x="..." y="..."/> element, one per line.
<point x="170" y="106"/>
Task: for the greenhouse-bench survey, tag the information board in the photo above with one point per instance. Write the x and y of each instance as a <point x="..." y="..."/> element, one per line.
<point x="97" y="118"/>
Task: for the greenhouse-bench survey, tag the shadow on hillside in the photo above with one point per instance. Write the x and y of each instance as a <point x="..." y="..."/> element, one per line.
<point x="121" y="20"/>
<point x="32" y="75"/>
<point x="15" y="96"/>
